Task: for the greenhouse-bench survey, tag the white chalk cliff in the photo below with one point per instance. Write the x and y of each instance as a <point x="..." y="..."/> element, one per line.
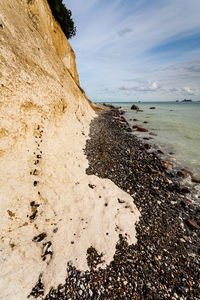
<point x="44" y="124"/>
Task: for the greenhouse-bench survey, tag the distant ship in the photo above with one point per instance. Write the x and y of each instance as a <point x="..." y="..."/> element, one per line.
<point x="186" y="100"/>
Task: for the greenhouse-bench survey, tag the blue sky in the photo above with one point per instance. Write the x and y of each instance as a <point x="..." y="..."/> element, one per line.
<point x="137" y="49"/>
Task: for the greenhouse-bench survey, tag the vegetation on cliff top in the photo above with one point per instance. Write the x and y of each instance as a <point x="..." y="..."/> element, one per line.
<point x="63" y="16"/>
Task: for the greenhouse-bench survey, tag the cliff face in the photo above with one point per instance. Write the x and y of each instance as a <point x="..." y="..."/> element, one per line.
<point x="45" y="194"/>
<point x="45" y="23"/>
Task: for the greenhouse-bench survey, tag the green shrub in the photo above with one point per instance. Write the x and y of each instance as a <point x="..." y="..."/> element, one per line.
<point x="63" y="16"/>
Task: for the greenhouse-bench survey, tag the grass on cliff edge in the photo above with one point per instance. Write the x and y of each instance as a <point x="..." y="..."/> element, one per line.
<point x="63" y="16"/>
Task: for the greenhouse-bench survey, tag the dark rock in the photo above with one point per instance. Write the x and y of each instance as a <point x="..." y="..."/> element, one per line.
<point x="39" y="237"/>
<point x="32" y="217"/>
<point x="141" y="129"/>
<point x="33" y="204"/>
<point x="35" y="172"/>
<point x="147" y="138"/>
<point x="35" y="183"/>
<point x="120" y="201"/>
<point x="92" y="186"/>
<point x="152" y="107"/>
<point x="196" y="179"/>
<point x="181" y="174"/>
<point x="38" y="289"/>
<point x="185" y="190"/>
<point x="166" y="165"/>
<point x="152" y="171"/>
<point x="192" y="224"/>
<point x="123" y="119"/>
<point x="135" y="120"/>
<point x="187" y="171"/>
<point x="1" y="25"/>
<point x="160" y="150"/>
<point x="152" y="133"/>
<point x="147" y="146"/>
<point x="47" y="250"/>
<point x="134" y="107"/>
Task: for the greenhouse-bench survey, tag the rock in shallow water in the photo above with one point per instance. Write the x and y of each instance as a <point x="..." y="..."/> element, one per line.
<point x="134" y="107"/>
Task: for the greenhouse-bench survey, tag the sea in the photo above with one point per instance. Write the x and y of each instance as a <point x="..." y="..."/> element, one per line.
<point x="176" y="126"/>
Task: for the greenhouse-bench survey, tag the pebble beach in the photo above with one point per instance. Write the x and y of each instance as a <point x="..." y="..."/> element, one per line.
<point x="165" y="261"/>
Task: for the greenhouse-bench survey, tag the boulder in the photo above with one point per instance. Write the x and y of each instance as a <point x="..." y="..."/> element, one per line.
<point x="185" y="190"/>
<point x="134" y="107"/>
<point x="152" y="171"/>
<point x="160" y="150"/>
<point x="147" y="146"/>
<point x="192" y="224"/>
<point x="196" y="179"/>
<point x="146" y="138"/>
<point x="152" y="133"/>
<point x="123" y="119"/>
<point x="182" y="174"/>
<point x="141" y="129"/>
<point x="166" y="165"/>
<point x="153" y="107"/>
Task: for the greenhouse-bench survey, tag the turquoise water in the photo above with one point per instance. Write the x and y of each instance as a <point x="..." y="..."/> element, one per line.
<point x="177" y="126"/>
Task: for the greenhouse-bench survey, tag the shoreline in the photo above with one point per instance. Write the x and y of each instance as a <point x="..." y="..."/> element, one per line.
<point x="164" y="263"/>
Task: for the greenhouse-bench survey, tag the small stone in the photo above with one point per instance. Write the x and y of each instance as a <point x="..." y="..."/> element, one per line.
<point x="147" y="146"/>
<point x="39" y="237"/>
<point x="185" y="190"/>
<point x="181" y="174"/>
<point x="82" y="287"/>
<point x="192" y="224"/>
<point x="141" y="129"/>
<point x="196" y="179"/>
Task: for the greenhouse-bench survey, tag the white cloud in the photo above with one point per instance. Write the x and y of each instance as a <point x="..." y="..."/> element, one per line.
<point x="189" y="91"/>
<point x="148" y="88"/>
